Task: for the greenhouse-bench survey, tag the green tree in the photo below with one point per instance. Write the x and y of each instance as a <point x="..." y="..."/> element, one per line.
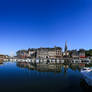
<point x="89" y="52"/>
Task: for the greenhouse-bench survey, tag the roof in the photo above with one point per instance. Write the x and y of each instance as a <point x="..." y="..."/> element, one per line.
<point x="2" y="55"/>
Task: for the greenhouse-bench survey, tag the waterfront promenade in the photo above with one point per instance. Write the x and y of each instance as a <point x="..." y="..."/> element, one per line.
<point x="51" y="61"/>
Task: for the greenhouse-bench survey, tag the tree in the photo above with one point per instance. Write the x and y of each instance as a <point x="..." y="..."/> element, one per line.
<point x="89" y="52"/>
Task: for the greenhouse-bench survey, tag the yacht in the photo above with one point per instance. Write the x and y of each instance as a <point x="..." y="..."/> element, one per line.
<point x="87" y="75"/>
<point x="86" y="69"/>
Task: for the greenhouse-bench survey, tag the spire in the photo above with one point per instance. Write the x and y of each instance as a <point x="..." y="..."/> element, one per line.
<point x="65" y="46"/>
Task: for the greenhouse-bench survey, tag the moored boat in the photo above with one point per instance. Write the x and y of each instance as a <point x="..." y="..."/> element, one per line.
<point x="87" y="75"/>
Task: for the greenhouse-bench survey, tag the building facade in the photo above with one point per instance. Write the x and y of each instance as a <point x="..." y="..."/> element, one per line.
<point x="82" y="53"/>
<point x="22" y="54"/>
<point x="74" y="54"/>
<point x="32" y="53"/>
<point x="55" y="52"/>
<point x="3" y="56"/>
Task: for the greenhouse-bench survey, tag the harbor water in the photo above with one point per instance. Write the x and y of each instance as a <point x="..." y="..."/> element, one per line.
<point x="24" y="77"/>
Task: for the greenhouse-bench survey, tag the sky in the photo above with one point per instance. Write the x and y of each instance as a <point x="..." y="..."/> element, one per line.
<point x="45" y="23"/>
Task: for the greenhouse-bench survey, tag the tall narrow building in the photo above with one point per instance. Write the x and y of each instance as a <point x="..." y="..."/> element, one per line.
<point x="66" y="53"/>
<point x="66" y="46"/>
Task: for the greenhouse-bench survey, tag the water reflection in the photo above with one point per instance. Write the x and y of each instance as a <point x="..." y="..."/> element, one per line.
<point x="1" y="62"/>
<point x="25" y="77"/>
<point x="85" y="86"/>
<point x="69" y="75"/>
<point x="41" y="67"/>
<point x="57" y="68"/>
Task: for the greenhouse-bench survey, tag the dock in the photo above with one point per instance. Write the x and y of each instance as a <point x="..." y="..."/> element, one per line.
<point x="51" y="61"/>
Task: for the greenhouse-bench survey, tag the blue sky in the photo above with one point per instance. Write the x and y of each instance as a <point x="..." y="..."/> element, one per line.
<point x="45" y="23"/>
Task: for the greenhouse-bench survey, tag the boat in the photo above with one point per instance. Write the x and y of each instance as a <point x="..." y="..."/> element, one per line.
<point x="87" y="75"/>
<point x="86" y="69"/>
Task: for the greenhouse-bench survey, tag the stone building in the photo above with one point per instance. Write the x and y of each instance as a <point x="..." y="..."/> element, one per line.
<point x="32" y="53"/>
<point x="55" y="52"/>
<point x="22" y="54"/>
<point x="74" y="54"/>
<point x="82" y="53"/>
<point x="3" y="56"/>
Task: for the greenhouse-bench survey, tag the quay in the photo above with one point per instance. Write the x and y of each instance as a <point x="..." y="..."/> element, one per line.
<point x="44" y="61"/>
<point x="51" y="61"/>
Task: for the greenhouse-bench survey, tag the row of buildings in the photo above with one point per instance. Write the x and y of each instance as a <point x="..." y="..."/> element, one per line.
<point x="2" y="57"/>
<point x="55" y="52"/>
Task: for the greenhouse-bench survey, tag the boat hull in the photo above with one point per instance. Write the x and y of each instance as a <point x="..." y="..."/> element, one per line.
<point x="87" y="76"/>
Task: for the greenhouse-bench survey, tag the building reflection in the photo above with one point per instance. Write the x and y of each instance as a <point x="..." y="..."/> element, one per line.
<point x="1" y="62"/>
<point x="41" y="67"/>
<point x="25" y="65"/>
<point x="57" y="68"/>
<point x="75" y="67"/>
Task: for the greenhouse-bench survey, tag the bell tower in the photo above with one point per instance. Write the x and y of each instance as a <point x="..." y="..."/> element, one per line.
<point x="66" y="53"/>
<point x="66" y="46"/>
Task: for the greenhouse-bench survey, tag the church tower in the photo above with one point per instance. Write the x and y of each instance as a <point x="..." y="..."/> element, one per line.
<point x="66" y="53"/>
<point x="66" y="46"/>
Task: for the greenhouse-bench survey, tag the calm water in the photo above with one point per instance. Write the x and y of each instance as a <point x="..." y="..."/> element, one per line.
<point x="19" y="77"/>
